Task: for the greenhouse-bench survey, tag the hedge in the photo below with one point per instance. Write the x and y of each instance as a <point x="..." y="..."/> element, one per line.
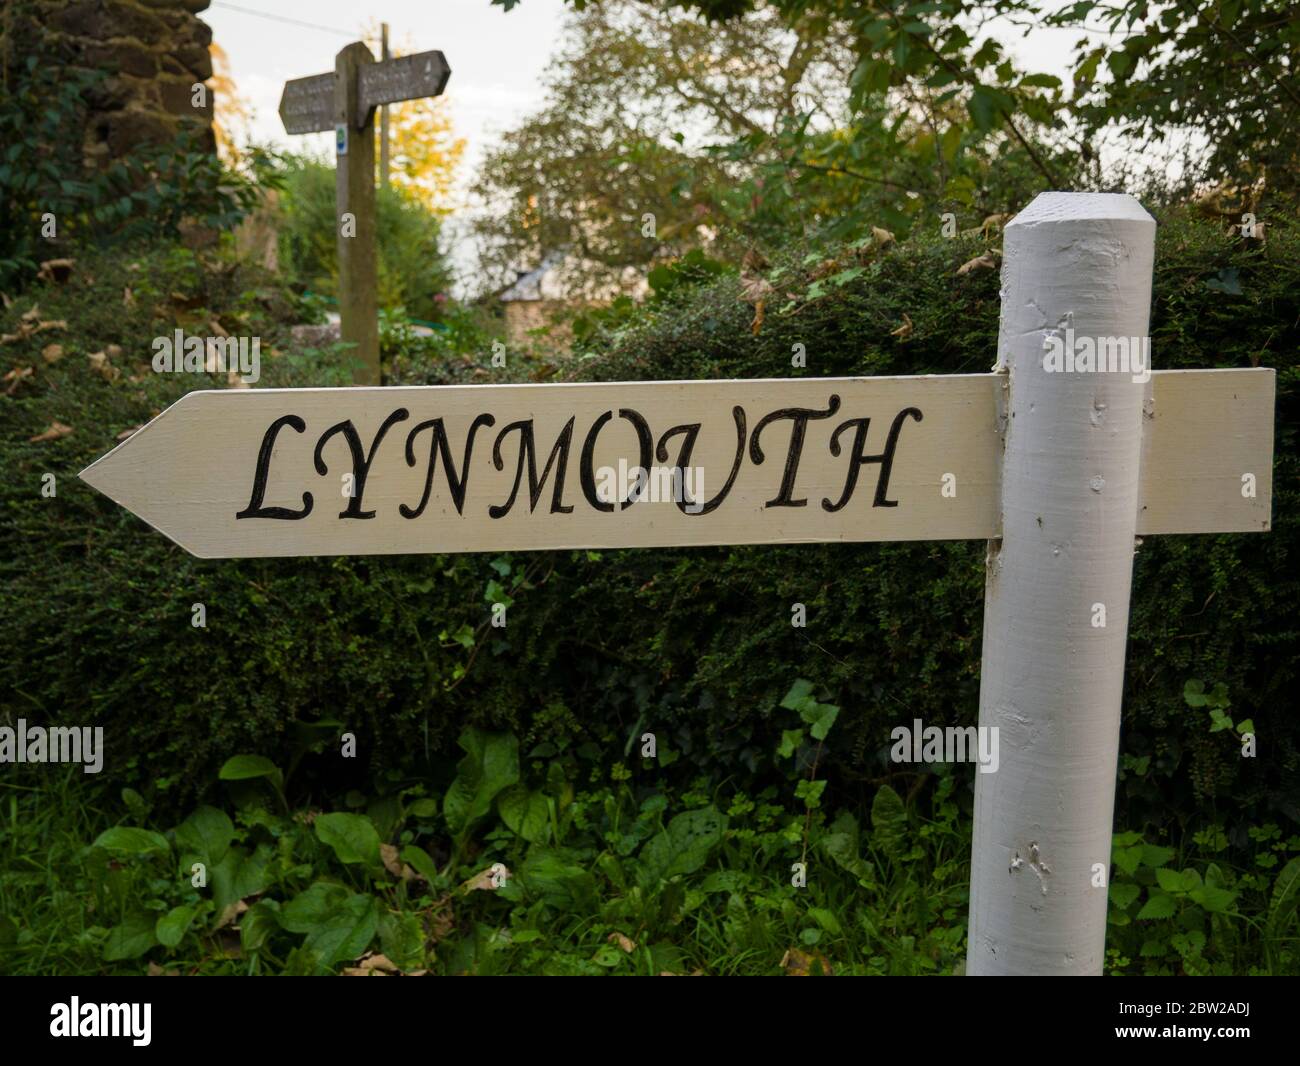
<point x="695" y="644"/>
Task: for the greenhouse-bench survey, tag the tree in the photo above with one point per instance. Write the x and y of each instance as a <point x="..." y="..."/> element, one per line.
<point x="1221" y="76"/>
<point x="662" y="132"/>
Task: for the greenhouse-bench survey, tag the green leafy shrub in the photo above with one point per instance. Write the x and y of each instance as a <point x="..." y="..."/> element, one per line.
<point x="695" y="644"/>
<point x="411" y="270"/>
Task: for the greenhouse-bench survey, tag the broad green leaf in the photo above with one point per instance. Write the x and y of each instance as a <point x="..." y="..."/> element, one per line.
<point x="419" y="861"/>
<point x="986" y="106"/>
<point x="1123" y="895"/>
<point x="257" y="924"/>
<point x="239" y="875"/>
<point x="128" y="841"/>
<point x="525" y="813"/>
<point x="490" y="765"/>
<point x="555" y="876"/>
<point x="352" y="836"/>
<point x="313" y="906"/>
<point x="401" y="938"/>
<point x="1158" y="905"/>
<point x="243" y="767"/>
<point x="1214" y="900"/>
<point x="207" y="833"/>
<point x="1154" y="856"/>
<point x="825" y="919"/>
<point x="1128" y="859"/>
<point x="426" y="807"/>
<point x="1177" y="881"/>
<point x="682" y="847"/>
<point x="172" y="926"/>
<point x="346" y="932"/>
<point x="842" y="845"/>
<point x="889" y="821"/>
<point x="132" y="938"/>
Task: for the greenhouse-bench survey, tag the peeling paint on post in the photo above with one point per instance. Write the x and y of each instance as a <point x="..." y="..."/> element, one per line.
<point x="1052" y="678"/>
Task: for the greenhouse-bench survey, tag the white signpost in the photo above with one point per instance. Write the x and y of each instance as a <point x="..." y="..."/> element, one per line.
<point x="1058" y="464"/>
<point x="345" y="101"/>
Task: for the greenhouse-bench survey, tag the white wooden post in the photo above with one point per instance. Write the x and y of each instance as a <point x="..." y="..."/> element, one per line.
<point x="1057" y="586"/>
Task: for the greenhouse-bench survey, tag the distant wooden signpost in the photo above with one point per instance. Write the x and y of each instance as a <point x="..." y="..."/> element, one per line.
<point x="1061" y="459"/>
<point x="345" y="102"/>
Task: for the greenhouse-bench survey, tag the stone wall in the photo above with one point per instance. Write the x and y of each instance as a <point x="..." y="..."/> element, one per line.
<point x="152" y="51"/>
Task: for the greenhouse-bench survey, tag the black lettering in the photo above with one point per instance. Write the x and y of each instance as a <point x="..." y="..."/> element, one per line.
<point x="528" y="449"/>
<point x="800" y="417"/>
<point x="439" y="445"/>
<point x="255" y="508"/>
<point x="859" y="459"/>
<point x="360" y="462"/>
<point x="691" y="431"/>
<point x="587" y="467"/>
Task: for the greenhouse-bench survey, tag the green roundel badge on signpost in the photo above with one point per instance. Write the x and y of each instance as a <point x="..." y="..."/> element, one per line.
<point x="340" y="140"/>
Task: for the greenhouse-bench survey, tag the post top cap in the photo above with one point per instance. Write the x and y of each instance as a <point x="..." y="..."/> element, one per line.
<point x="1081" y="207"/>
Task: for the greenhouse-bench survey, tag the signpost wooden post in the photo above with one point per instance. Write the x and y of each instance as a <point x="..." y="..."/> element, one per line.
<point x="345" y="102"/>
<point x="1059" y="471"/>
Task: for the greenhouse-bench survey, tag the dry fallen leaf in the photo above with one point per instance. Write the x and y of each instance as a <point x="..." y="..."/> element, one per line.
<point x="56" y="270"/>
<point x="389" y="854"/>
<point x="798" y="963"/>
<point x="994" y="223"/>
<point x="33" y="314"/>
<point x="904" y="331"/>
<point x="58" y="323"/>
<point x="56" y="430"/>
<point x="882" y="237"/>
<point x="52" y="353"/>
<point x="113" y="351"/>
<point x="16" y="377"/>
<point x="128" y="297"/>
<point x="483" y="880"/>
<point x="100" y="365"/>
<point x="377" y="962"/>
<point x="218" y="329"/>
<point x="128" y="432"/>
<point x="231" y="912"/>
<point x="981" y="262"/>
<point x="623" y="942"/>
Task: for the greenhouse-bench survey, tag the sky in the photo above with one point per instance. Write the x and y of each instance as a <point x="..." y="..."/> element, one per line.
<point x="496" y="60"/>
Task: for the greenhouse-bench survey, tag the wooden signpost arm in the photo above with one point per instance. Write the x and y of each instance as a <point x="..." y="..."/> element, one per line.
<point x="355" y="194"/>
<point x="1057" y="588"/>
